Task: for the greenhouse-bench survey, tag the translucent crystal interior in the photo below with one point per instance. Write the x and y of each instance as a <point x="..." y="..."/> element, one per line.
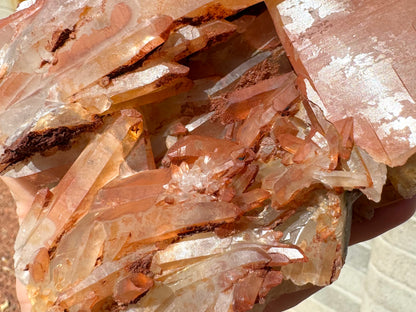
<point x="169" y="158"/>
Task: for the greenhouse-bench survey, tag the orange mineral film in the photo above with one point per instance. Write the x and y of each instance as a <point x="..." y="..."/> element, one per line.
<point x="200" y="155"/>
<point x="356" y="59"/>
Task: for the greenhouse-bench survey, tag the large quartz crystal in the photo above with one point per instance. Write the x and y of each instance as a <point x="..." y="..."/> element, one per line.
<point x="166" y="156"/>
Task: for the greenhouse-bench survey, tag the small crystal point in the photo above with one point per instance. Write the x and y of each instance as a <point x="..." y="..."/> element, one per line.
<point x="169" y="158"/>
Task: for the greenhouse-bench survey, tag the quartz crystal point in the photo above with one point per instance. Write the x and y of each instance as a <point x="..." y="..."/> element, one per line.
<point x="45" y="64"/>
<point x="353" y="69"/>
<point x="168" y="157"/>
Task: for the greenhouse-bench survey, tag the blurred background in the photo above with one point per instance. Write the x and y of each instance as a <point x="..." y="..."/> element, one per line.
<point x="379" y="276"/>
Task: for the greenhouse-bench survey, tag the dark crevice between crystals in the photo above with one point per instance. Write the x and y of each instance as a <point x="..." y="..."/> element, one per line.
<point x="195" y="229"/>
<point x="254" y="10"/>
<point x="213" y="12"/>
<point x="138" y="60"/>
<point x="41" y="141"/>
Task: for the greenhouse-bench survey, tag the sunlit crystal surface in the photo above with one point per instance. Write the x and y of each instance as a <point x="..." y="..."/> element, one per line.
<point x="167" y="157"/>
<point x="349" y="66"/>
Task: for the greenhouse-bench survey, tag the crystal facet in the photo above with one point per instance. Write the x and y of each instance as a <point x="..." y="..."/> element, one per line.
<point x="168" y="157"/>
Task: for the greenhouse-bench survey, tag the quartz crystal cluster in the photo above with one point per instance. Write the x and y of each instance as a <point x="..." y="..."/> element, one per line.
<point x="169" y="159"/>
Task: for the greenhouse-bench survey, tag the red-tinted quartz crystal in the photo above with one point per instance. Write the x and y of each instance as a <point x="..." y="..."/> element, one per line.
<point x="166" y="157"/>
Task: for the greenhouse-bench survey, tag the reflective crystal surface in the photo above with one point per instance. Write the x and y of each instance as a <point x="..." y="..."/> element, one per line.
<point x="168" y="157"/>
<point x="353" y="64"/>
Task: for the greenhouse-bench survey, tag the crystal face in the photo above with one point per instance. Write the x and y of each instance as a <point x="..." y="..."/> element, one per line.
<point x="170" y="158"/>
<point x="365" y="72"/>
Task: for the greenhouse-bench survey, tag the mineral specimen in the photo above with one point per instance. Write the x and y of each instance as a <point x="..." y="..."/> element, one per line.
<point x="367" y="64"/>
<point x="173" y="160"/>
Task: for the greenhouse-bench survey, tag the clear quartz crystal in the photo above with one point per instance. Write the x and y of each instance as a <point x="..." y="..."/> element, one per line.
<point x="167" y="157"/>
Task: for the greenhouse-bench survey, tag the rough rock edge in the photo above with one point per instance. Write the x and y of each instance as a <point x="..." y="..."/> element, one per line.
<point x="41" y="141"/>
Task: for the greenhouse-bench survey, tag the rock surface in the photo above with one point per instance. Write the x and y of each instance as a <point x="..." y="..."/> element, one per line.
<point x="354" y="64"/>
<point x="157" y="152"/>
